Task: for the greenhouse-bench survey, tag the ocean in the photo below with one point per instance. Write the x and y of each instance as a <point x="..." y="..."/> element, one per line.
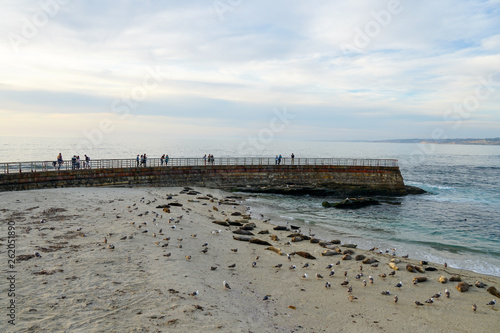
<point x="456" y="222"/>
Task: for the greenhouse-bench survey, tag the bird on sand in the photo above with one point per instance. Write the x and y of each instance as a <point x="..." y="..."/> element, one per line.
<point x="278" y="266"/>
<point x="232" y="266"/>
<point x="293" y="267"/>
<point x="345" y="283"/>
<point x="351" y="298"/>
<point x="474" y="307"/>
<point x="226" y="285"/>
<point x="493" y="302"/>
<point x="331" y="273"/>
<point x="447" y="293"/>
<point x="194" y="293"/>
<point x="430" y="301"/>
<point x="327" y="284"/>
<point x="304" y="276"/>
<point x="305" y="265"/>
<point x="418" y="303"/>
<point x="399" y="285"/>
<point x="396" y="298"/>
<point x="329" y="266"/>
<point x="386" y="293"/>
<point x="319" y="276"/>
<point x="37" y="254"/>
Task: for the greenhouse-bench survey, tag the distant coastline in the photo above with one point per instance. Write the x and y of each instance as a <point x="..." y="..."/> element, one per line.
<point x="470" y="141"/>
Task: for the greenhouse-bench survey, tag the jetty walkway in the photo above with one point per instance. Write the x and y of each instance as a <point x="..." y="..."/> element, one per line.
<point x="342" y="176"/>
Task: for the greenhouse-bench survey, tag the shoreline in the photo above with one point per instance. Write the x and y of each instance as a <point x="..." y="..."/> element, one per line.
<point x="142" y="284"/>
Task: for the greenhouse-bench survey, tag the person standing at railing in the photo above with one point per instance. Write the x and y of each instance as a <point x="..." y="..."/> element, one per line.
<point x="292" y="157"/>
<point x="87" y="162"/>
<point x="162" y="158"/>
<point x="73" y="162"/>
<point x="279" y="159"/>
<point x="144" y="160"/>
<point x="166" y="160"/>
<point x="78" y="162"/>
<point x="59" y="161"/>
<point x="205" y="159"/>
<point x="138" y="160"/>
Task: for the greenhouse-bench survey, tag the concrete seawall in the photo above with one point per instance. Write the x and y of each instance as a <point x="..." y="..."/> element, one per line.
<point x="291" y="179"/>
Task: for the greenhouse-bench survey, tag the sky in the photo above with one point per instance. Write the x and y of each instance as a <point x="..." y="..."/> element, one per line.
<point x="284" y="69"/>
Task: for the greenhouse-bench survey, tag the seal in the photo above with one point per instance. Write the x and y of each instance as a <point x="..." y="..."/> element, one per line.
<point x="260" y="242"/>
<point x="274" y="249"/>
<point x="304" y="254"/>
<point x="462" y="287"/>
<point x="443" y="279"/>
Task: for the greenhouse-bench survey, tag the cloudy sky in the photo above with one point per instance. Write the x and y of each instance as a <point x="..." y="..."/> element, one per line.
<point x="313" y="70"/>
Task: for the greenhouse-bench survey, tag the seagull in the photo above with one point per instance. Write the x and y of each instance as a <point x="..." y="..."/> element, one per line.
<point x="418" y="303"/>
<point x="364" y="283"/>
<point x="232" y="266"/>
<point x="226" y="285"/>
<point x="278" y="266"/>
<point x="327" y="284"/>
<point x="399" y="285"/>
<point x="437" y="295"/>
<point x="265" y="298"/>
<point x="350" y="289"/>
<point x="43" y="221"/>
<point x="352" y="298"/>
<point x="392" y="273"/>
<point x="370" y="278"/>
<point x="234" y="250"/>
<point x="293" y="267"/>
<point x="386" y="293"/>
<point x="304" y="276"/>
<point x="445" y="265"/>
<point x="206" y="244"/>
<point x="213" y="268"/>
<point x="345" y="283"/>
<point x="37" y="254"/>
<point x="289" y="258"/>
<point x="194" y="293"/>
<point x="331" y="273"/>
<point x="358" y="276"/>
<point x="188" y="257"/>
<point x="337" y="263"/>
<point x="329" y="266"/>
<point x="474" y="307"/>
<point x="254" y="264"/>
<point x="345" y="273"/>
<point x="447" y="293"/>
<point x="319" y="276"/>
<point x="493" y="302"/>
<point x="205" y="250"/>
<point x="306" y="265"/>
<point x="396" y="298"/>
<point x="430" y="301"/>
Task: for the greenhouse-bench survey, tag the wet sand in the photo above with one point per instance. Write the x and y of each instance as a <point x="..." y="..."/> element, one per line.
<point x="108" y="266"/>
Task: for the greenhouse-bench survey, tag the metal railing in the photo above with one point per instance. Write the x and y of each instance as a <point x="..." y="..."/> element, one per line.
<point x="42" y="166"/>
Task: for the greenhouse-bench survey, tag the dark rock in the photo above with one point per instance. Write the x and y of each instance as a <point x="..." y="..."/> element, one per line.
<point x="352" y="203"/>
<point x="414" y="190"/>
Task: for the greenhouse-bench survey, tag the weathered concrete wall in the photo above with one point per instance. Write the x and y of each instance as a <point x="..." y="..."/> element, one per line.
<point x="271" y="178"/>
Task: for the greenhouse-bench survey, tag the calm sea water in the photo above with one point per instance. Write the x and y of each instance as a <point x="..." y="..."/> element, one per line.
<point x="456" y="222"/>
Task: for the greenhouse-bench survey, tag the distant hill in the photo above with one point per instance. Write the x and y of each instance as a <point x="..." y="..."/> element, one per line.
<point x="470" y="141"/>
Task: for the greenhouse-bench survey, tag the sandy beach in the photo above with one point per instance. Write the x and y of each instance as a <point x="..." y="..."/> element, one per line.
<point x="153" y="260"/>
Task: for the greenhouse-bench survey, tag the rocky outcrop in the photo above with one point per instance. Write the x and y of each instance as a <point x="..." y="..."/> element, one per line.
<point x="352" y="203"/>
